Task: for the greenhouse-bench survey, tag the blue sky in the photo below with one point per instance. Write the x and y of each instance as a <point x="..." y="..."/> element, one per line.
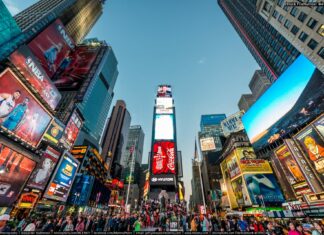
<point x="188" y="44"/>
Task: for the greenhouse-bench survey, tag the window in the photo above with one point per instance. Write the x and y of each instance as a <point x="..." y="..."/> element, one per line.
<point x="311" y="23"/>
<point x="321" y="53"/>
<point x="294" y="11"/>
<point x="303" y="36"/>
<point x="294" y="30"/>
<point x="312" y="44"/>
<point x="287" y="24"/>
<point x="320" y="9"/>
<point x="302" y="16"/>
<point x="281" y="2"/>
<point x="266" y="7"/>
<point x="320" y="30"/>
<point x="275" y="14"/>
<point x="280" y="19"/>
<point x="285" y="7"/>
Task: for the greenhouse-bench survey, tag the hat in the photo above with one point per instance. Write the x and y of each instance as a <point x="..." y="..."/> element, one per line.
<point x="5" y="217"/>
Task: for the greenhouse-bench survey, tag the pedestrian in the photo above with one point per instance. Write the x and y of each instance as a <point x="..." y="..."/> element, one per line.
<point x="318" y="228"/>
<point x="80" y="225"/>
<point x="138" y="224"/>
<point x="69" y="225"/>
<point x="292" y="229"/>
<point x="48" y="226"/>
<point x="31" y="227"/>
<point x="300" y="229"/>
<point x="4" y="227"/>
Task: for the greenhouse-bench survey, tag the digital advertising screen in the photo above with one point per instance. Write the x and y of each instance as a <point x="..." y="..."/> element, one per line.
<point x="240" y="192"/>
<point x="15" y="169"/>
<point x="232" y="165"/>
<point x="207" y="144"/>
<point x="164" y="105"/>
<point x="72" y="130"/>
<point x="33" y="72"/>
<point x="81" y="190"/>
<point x="263" y="187"/>
<point x="319" y="125"/>
<point x="100" y="194"/>
<point x="164" y="129"/>
<point x="62" y="180"/>
<point x="164" y="91"/>
<point x="80" y="62"/>
<point x="232" y="123"/>
<point x="44" y="169"/>
<point x="312" y="145"/>
<point x="163" y="161"/>
<point x="295" y="98"/>
<point x="20" y="112"/>
<point x="54" y="132"/>
<point x="255" y="165"/>
<point x="52" y="48"/>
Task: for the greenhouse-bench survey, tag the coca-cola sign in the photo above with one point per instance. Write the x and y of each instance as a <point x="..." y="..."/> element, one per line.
<point x="163" y="161"/>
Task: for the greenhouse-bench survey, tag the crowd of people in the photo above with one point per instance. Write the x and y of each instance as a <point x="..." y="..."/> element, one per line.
<point x="159" y="216"/>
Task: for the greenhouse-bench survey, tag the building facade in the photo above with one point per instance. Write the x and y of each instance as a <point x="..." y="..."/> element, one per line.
<point x="269" y="48"/>
<point x="245" y="102"/>
<point x="302" y="26"/>
<point x="259" y="84"/>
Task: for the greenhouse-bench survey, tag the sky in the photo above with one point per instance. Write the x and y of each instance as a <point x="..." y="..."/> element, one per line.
<point x="188" y="44"/>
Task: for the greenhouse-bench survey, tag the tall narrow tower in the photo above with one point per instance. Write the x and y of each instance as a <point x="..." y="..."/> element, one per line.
<point x="163" y="157"/>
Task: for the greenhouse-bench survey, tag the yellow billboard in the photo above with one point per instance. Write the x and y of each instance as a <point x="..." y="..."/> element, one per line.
<point x="255" y="165"/>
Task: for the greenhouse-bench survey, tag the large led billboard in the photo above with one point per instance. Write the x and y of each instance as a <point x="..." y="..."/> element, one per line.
<point x="164" y="91"/>
<point x="164" y="160"/>
<point x="21" y="114"/>
<point x="72" y="130"/>
<point x="207" y="144"/>
<point x="33" y="72"/>
<point x="81" y="61"/>
<point x="293" y="99"/>
<point x="15" y="169"/>
<point x="164" y="128"/>
<point x="43" y="171"/>
<point x="81" y="190"/>
<point x="232" y="123"/>
<point x="62" y="180"/>
<point x="54" y="132"/>
<point x="164" y="105"/>
<point x="52" y="48"/>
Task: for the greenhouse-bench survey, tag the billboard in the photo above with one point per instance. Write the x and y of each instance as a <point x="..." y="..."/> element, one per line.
<point x="163" y="161"/>
<point x="160" y="180"/>
<point x="295" y="98"/>
<point x="32" y="71"/>
<point x="44" y="168"/>
<point x="240" y="192"/>
<point x="312" y="145"/>
<point x="100" y="194"/>
<point x="54" y="132"/>
<point x="72" y="130"/>
<point x="80" y="63"/>
<point x="263" y="186"/>
<point x="255" y="165"/>
<point x="79" y="152"/>
<point x="164" y="106"/>
<point x="232" y="123"/>
<point x="245" y="153"/>
<point x="232" y="165"/>
<point x="20" y="112"/>
<point x="15" y="169"/>
<point x="207" y="144"/>
<point x="319" y="125"/>
<point x="52" y="48"/>
<point x="81" y="190"/>
<point x="163" y="127"/>
<point x="62" y="180"/>
<point x="164" y="91"/>
<point x="27" y="200"/>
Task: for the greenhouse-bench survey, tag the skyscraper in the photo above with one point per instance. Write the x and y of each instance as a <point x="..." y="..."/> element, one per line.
<point x="270" y="49"/>
<point x="259" y="84"/>
<point x="245" y="102"/>
<point x="78" y="16"/>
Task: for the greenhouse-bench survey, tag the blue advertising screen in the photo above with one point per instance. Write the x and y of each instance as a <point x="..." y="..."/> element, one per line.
<point x="294" y="99"/>
<point x="81" y="190"/>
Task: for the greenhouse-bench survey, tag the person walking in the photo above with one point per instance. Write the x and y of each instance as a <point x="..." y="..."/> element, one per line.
<point x="138" y="224"/>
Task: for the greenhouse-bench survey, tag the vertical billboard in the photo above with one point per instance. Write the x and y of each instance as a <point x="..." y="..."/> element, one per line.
<point x="232" y="123"/>
<point x="263" y="186"/>
<point x="72" y="76"/>
<point x="55" y="132"/>
<point x="245" y="153"/>
<point x="164" y="91"/>
<point x="52" y="48"/>
<point x="72" y="130"/>
<point x="312" y="145"/>
<point x="207" y="144"/>
<point x="240" y="192"/>
<point x="232" y="165"/>
<point x="319" y="125"/>
<point x="20" y="112"/>
<point x="62" y="180"/>
<point x="15" y="169"/>
<point x="164" y="105"/>
<point x="43" y="171"/>
<point x="295" y="98"/>
<point x="164" y="127"/>
<point x="164" y="159"/>
<point x="32" y="71"/>
<point x="81" y="190"/>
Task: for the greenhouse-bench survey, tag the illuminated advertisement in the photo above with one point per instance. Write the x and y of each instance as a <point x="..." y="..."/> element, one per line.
<point x="232" y="124"/>
<point x="319" y="125"/>
<point x="54" y="132"/>
<point x="100" y="193"/>
<point x="245" y="153"/>
<point x="27" y="200"/>
<point x="230" y="195"/>
<point x="313" y="147"/>
<point x="164" y="106"/>
<point x="207" y="144"/>
<point x="240" y="192"/>
<point x="62" y="180"/>
<point x="163" y="161"/>
<point x="164" y="91"/>
<point x="264" y="187"/>
<point x="79" y="152"/>
<point x="72" y="130"/>
<point x="20" y="113"/>
<point x="255" y="165"/>
<point x="295" y="98"/>
<point x="44" y="168"/>
<point x="292" y="171"/>
<point x="166" y="179"/>
<point x="164" y="127"/>
<point x="81" y="190"/>
<point x="232" y="166"/>
<point x="52" y="48"/>
<point x="15" y="169"/>
<point x="32" y="71"/>
<point x="80" y="63"/>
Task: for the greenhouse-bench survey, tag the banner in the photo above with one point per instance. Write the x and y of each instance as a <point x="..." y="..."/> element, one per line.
<point x="240" y="192"/>
<point x="15" y="169"/>
<point x="32" y="71"/>
<point x="163" y="158"/>
<point x="232" y="123"/>
<point x="54" y="132"/>
<point x="232" y="165"/>
<point x="245" y="153"/>
<point x="255" y="165"/>
<point x="20" y="113"/>
<point x="43" y="171"/>
<point x="72" y="130"/>
<point x="207" y="144"/>
<point x="52" y="48"/>
<point x="319" y="125"/>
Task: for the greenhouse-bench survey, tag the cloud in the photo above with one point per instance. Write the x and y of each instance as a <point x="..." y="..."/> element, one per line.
<point x="201" y="60"/>
<point x="12" y="7"/>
